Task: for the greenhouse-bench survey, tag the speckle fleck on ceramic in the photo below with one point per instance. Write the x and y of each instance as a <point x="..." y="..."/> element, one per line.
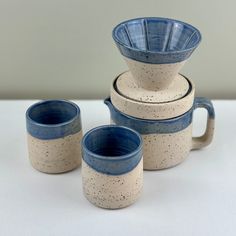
<point x="112" y="191"/>
<point x="56" y="155"/>
<point x="153" y="76"/>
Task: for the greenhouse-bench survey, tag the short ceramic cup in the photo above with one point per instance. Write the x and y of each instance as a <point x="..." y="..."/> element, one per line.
<point x="54" y="136"/>
<point x="155" y="49"/>
<point x="167" y="142"/>
<point x="112" y="166"/>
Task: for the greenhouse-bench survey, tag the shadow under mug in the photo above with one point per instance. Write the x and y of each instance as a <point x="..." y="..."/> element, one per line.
<point x="167" y="142"/>
<point x="112" y="166"/>
<point x="54" y="135"/>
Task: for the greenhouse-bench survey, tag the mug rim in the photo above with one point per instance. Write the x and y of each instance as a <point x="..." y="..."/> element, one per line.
<point x="145" y="126"/>
<point x="151" y="120"/>
<point x="113" y="158"/>
<point x="50" y="101"/>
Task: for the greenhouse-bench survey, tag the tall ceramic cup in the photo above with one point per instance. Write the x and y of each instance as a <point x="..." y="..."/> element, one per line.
<point x="54" y="136"/>
<point x="112" y="166"/>
<point x="167" y="142"/>
<point x="155" y="49"/>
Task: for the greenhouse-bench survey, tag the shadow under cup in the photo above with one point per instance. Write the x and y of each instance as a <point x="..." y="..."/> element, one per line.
<point x="54" y="135"/>
<point x="112" y="166"/>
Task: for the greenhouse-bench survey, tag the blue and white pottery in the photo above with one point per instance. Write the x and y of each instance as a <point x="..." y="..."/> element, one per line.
<point x="112" y="166"/>
<point x="54" y="135"/>
<point x="167" y="142"/>
<point x="155" y="49"/>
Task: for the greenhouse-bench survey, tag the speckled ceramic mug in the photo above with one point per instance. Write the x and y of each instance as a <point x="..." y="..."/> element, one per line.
<point x="167" y="142"/>
<point x="155" y="49"/>
<point x="112" y="166"/>
<point x="54" y="136"/>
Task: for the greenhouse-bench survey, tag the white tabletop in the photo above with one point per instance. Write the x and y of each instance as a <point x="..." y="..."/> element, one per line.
<point x="197" y="197"/>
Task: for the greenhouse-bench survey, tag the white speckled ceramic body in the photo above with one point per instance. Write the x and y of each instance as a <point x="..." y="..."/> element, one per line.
<point x="153" y="76"/>
<point x="55" y="155"/>
<point x="112" y="191"/>
<point x="151" y="110"/>
<point x="126" y="86"/>
<point x="161" y="151"/>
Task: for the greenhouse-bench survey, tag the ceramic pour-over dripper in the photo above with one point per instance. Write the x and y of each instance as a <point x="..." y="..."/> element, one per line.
<point x="155" y="49"/>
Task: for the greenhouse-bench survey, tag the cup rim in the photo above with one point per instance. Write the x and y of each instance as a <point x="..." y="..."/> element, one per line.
<point x="49" y="101"/>
<point x="116" y="39"/>
<point x="112" y="158"/>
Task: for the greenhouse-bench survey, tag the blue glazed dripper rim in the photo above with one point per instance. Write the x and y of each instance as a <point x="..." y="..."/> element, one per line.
<point x="155" y="57"/>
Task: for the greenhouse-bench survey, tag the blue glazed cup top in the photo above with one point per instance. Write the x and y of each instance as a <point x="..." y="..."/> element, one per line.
<point x="52" y="119"/>
<point x="156" y="40"/>
<point x="112" y="149"/>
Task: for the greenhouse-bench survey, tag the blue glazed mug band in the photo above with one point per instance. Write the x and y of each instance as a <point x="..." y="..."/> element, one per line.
<point x="173" y="125"/>
<point x="112" y="149"/>
<point x="52" y="119"/>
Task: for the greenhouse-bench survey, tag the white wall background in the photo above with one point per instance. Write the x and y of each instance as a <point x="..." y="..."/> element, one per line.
<point x="64" y="48"/>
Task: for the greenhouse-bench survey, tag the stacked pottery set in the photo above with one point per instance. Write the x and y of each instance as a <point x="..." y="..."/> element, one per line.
<point x="153" y="98"/>
<point x="151" y="109"/>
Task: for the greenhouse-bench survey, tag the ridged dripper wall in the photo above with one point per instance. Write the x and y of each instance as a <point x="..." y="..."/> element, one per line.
<point x="155" y="49"/>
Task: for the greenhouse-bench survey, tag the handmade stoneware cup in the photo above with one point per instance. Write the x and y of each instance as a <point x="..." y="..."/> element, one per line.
<point x="167" y="142"/>
<point x="155" y="49"/>
<point x="54" y="136"/>
<point x="112" y="166"/>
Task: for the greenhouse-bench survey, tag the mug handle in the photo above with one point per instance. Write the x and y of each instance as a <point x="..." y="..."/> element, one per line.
<point x="206" y="138"/>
